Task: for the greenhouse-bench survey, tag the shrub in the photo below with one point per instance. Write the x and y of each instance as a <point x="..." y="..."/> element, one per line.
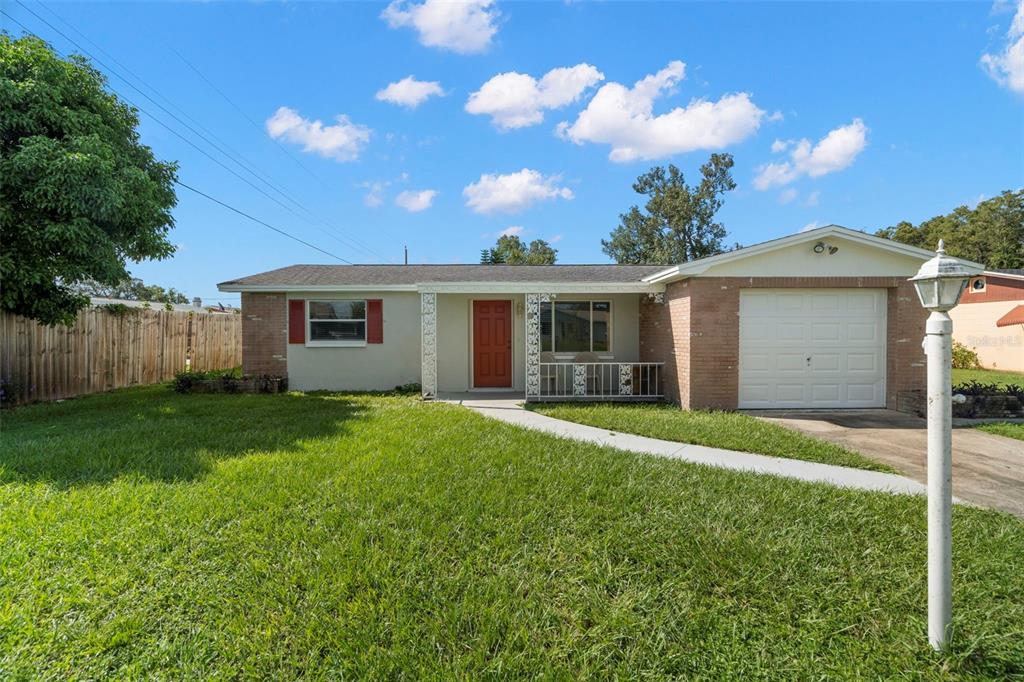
<point x="183" y="380"/>
<point x="977" y="388"/>
<point x="411" y="388"/>
<point x="964" y="357"/>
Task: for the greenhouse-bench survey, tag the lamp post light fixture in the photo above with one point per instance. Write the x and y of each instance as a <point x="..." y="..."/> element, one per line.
<point x="939" y="284"/>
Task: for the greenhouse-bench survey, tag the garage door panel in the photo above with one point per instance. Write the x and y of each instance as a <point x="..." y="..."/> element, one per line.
<point x="862" y="332"/>
<point x="789" y="331"/>
<point x="825" y="393"/>
<point x="756" y="394"/>
<point x="862" y="362"/>
<point x="790" y="362"/>
<point x="755" y="362"/>
<point x="826" y="362"/>
<point x="790" y="393"/>
<point x="812" y="348"/>
<point x="826" y="331"/>
<point x="861" y="392"/>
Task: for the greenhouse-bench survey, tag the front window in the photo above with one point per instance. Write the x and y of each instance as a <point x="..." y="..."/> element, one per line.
<point x="337" y="321"/>
<point x="576" y="326"/>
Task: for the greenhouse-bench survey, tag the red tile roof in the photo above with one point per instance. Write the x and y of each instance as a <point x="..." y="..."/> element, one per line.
<point x="1015" y="316"/>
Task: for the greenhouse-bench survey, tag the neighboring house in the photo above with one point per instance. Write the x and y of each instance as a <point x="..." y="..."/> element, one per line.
<point x="821" y="319"/>
<point x="195" y="305"/>
<point x="990" y="318"/>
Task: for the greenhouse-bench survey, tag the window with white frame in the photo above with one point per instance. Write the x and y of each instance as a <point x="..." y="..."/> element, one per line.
<point x="337" y="322"/>
<point x="576" y="326"/>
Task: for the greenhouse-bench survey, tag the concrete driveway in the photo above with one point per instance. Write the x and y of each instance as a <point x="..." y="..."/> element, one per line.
<point x="988" y="470"/>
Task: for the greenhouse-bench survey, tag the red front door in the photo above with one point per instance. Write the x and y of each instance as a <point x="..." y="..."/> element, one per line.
<point x="492" y="344"/>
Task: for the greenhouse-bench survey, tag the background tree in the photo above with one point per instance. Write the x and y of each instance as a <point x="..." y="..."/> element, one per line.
<point x="510" y="250"/>
<point x="79" y="194"/>
<point x="992" y="233"/>
<point x="678" y="223"/>
<point x="133" y="289"/>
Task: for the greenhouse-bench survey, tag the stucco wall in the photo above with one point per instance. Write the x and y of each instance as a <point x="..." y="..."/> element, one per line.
<point x="370" y="367"/>
<point x="998" y="347"/>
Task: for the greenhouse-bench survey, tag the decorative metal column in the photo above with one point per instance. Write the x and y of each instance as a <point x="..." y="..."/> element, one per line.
<point x="533" y="302"/>
<point x="428" y="344"/>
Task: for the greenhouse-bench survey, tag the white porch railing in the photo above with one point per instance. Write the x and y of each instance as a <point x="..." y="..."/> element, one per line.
<point x="600" y="381"/>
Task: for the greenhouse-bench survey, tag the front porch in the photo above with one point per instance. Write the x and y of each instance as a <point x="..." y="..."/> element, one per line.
<point x="578" y="344"/>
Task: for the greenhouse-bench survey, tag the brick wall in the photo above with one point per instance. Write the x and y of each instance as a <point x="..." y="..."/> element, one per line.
<point x="996" y="289"/>
<point x="665" y="337"/>
<point x="696" y="335"/>
<point x="265" y="334"/>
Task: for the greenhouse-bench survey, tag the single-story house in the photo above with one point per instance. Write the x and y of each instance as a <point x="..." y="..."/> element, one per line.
<point x="821" y="319"/>
<point x="990" y="318"/>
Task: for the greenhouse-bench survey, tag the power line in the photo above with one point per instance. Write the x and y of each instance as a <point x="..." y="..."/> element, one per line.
<point x="348" y="241"/>
<point x="241" y="111"/>
<point x="253" y="123"/>
<point x="197" y="191"/>
<point x="257" y="220"/>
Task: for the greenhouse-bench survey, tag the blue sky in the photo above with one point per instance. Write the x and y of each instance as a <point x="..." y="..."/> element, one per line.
<point x="877" y="112"/>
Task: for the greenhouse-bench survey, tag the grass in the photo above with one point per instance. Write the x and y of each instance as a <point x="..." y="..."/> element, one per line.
<point x="987" y="376"/>
<point x="729" y="430"/>
<point x="1004" y="429"/>
<point x="145" y="534"/>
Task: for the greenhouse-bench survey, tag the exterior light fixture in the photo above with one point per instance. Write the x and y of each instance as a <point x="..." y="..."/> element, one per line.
<point x="819" y="247"/>
<point x="939" y="284"/>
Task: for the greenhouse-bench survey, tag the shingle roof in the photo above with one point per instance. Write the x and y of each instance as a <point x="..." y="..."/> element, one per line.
<point x="320" y="275"/>
<point x="1009" y="271"/>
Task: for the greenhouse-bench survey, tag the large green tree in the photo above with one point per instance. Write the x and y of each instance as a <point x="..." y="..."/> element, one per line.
<point x="510" y="250"/>
<point x="678" y="221"/>
<point x="991" y="233"/>
<point x="80" y="196"/>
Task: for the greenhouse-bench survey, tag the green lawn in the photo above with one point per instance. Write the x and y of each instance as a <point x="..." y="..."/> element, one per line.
<point x="987" y="376"/>
<point x="729" y="430"/>
<point x="145" y="534"/>
<point x="1004" y="429"/>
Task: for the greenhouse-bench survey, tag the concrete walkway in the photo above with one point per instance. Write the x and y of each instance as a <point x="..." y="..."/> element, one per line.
<point x="988" y="470"/>
<point x="509" y="409"/>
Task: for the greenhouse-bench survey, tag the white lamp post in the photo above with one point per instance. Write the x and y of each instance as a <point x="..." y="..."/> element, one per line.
<point x="939" y="283"/>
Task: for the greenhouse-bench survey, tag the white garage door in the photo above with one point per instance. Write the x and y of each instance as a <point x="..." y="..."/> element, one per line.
<point x="812" y="348"/>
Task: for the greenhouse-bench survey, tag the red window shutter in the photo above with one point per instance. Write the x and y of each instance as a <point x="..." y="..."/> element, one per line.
<point x="296" y="321"/>
<point x="375" y="321"/>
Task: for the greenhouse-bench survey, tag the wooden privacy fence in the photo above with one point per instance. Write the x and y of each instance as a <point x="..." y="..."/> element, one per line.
<point x="104" y="350"/>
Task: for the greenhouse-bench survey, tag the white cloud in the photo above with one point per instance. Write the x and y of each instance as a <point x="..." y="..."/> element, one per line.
<point x="517" y="100"/>
<point x="513" y="192"/>
<point x="341" y="142"/>
<point x="787" y="195"/>
<point x="409" y="92"/>
<point x="1007" y="67"/>
<point x="374" y="196"/>
<point x="464" y="27"/>
<point x="812" y="198"/>
<point x="513" y="231"/>
<point x="780" y="146"/>
<point x="776" y="116"/>
<point x="415" y="201"/>
<point x="557" y="238"/>
<point x="623" y="118"/>
<point x="832" y="153"/>
<point x="810" y="226"/>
